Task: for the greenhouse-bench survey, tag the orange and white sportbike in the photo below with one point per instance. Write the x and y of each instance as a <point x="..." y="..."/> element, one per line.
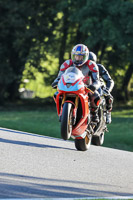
<point x="73" y="108"/>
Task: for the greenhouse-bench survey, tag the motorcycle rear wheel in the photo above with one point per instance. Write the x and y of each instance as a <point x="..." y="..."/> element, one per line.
<point x="66" y="121"/>
<point x="98" y="140"/>
<point x="83" y="144"/>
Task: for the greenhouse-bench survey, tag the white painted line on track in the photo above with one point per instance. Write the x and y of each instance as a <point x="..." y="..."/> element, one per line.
<point x="84" y="198"/>
<point x="26" y="133"/>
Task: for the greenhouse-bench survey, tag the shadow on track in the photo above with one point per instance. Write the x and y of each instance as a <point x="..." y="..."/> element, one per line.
<point x="19" y="186"/>
<point x="23" y="143"/>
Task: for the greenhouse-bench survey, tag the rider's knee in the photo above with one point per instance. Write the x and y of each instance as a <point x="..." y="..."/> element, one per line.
<point x="95" y="99"/>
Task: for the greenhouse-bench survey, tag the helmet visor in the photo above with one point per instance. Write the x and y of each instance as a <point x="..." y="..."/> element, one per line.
<point x="78" y="59"/>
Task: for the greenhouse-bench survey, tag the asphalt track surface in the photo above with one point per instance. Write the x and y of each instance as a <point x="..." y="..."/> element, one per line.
<point x="33" y="166"/>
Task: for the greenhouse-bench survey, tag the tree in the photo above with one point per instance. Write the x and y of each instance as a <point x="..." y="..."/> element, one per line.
<point x="32" y="30"/>
<point x="107" y="29"/>
<point x="26" y="28"/>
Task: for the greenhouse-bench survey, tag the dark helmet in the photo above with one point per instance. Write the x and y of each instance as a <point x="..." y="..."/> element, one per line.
<point x="92" y="56"/>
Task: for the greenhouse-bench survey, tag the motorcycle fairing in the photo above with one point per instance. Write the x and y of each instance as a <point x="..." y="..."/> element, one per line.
<point x="77" y="85"/>
<point x="71" y="80"/>
<point x="79" y="129"/>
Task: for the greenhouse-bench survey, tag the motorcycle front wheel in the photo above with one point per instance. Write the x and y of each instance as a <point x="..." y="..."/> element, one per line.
<point x="83" y="144"/>
<point x="66" y="121"/>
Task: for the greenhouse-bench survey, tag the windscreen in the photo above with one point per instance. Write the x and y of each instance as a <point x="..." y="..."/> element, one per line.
<point x="72" y="74"/>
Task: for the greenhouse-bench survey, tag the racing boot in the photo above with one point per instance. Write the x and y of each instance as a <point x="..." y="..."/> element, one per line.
<point x="108" y="117"/>
<point x="94" y="114"/>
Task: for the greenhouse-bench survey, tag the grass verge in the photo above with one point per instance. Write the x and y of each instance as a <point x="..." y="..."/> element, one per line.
<point x="120" y="134"/>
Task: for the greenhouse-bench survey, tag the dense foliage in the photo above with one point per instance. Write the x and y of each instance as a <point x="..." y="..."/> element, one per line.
<point x="39" y="31"/>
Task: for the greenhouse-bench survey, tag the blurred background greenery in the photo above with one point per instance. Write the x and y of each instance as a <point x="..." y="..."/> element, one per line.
<point x="37" y="36"/>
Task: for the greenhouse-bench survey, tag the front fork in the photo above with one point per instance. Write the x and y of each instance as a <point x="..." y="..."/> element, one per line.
<point x="75" y="105"/>
<point x="75" y="109"/>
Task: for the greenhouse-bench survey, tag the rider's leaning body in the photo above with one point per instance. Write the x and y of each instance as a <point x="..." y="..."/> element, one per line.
<point x="79" y="59"/>
<point x="107" y="87"/>
<point x="106" y="77"/>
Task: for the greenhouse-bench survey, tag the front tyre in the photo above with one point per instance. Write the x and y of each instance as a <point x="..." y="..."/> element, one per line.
<point x="66" y="121"/>
<point x="83" y="144"/>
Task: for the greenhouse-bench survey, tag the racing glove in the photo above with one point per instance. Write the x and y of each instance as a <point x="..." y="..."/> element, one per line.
<point x="54" y="84"/>
<point x="106" y="91"/>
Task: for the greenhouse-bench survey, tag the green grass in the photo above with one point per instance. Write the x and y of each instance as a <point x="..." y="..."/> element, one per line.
<point x="120" y="134"/>
<point x="44" y="120"/>
<point x="41" y="121"/>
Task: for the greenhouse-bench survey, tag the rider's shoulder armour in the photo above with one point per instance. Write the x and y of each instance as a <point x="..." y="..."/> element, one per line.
<point x="92" y="66"/>
<point x="66" y="64"/>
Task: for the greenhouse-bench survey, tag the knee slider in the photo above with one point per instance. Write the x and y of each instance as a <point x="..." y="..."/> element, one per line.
<point x="109" y="103"/>
<point x="109" y="100"/>
<point x="97" y="101"/>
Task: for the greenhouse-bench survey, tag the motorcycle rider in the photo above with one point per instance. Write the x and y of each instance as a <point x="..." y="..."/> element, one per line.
<point x="104" y="74"/>
<point x="79" y="59"/>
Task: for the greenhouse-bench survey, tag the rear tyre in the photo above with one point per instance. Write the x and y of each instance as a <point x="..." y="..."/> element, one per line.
<point x="66" y="121"/>
<point x="83" y="144"/>
<point x="98" y="140"/>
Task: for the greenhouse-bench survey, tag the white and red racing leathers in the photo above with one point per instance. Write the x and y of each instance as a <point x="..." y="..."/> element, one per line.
<point x="91" y="72"/>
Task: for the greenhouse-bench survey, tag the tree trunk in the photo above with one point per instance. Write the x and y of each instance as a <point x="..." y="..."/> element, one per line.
<point x="79" y="37"/>
<point x="13" y="91"/>
<point x="64" y="38"/>
<point x="102" y="52"/>
<point x="126" y="81"/>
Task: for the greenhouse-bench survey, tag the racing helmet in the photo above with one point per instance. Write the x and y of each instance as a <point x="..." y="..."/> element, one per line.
<point x="92" y="56"/>
<point x="82" y="51"/>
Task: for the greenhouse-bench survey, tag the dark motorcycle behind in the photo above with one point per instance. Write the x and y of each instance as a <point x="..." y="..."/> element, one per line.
<point x="100" y="128"/>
